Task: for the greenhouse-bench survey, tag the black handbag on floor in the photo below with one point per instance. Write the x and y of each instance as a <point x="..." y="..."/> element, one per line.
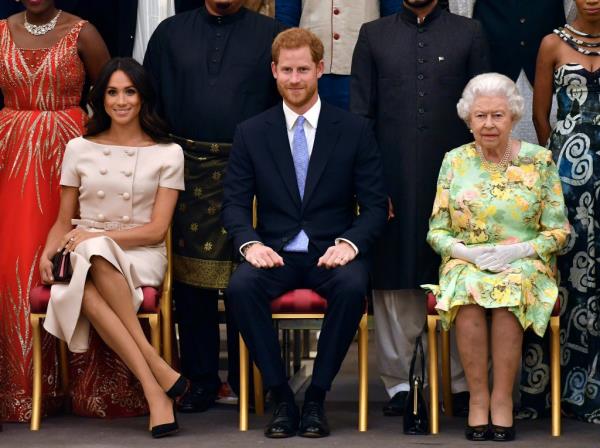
<point x="416" y="416"/>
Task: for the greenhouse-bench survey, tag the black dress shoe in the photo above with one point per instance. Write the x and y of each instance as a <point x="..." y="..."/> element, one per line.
<point x="503" y="433"/>
<point x="313" y="422"/>
<point x="178" y="388"/>
<point x="284" y="422"/>
<point x="197" y="399"/>
<point x="395" y="407"/>
<point x="460" y="404"/>
<point x="478" y="433"/>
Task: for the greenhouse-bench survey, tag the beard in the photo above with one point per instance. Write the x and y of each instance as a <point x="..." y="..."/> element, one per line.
<point x="418" y="3"/>
<point x="297" y="100"/>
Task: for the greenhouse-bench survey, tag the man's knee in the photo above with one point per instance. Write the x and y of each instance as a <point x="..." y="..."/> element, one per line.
<point x="244" y="278"/>
<point x="351" y="282"/>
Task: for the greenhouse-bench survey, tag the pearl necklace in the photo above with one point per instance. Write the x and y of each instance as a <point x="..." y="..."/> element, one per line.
<point x="40" y="30"/>
<point x="495" y="167"/>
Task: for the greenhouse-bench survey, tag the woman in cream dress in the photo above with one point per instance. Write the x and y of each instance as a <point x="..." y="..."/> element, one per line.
<point x="119" y="188"/>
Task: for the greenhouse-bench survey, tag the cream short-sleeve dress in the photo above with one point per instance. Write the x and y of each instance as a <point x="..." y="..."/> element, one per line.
<point x="117" y="188"/>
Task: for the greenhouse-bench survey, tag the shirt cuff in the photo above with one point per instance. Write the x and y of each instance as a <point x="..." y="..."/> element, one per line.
<point x="338" y="240"/>
<point x="247" y="244"/>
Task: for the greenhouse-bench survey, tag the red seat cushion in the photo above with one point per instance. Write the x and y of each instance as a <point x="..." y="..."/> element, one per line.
<point x="40" y="296"/>
<point x="299" y="301"/>
<point x="431" y="302"/>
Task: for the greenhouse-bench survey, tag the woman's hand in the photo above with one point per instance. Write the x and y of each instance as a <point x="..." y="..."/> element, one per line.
<point x="45" y="267"/>
<point x="501" y="256"/>
<point x="70" y="241"/>
<point x="470" y="254"/>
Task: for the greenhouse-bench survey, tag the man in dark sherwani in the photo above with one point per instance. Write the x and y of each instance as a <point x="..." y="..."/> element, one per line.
<point x="408" y="72"/>
<point x="212" y="70"/>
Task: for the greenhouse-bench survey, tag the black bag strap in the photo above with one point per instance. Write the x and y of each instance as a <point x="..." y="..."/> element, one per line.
<point x="418" y="353"/>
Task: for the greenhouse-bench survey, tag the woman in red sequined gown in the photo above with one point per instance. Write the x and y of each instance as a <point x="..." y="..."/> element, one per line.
<point x="42" y="77"/>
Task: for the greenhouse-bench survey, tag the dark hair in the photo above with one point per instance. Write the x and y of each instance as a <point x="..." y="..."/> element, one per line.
<point x="150" y="121"/>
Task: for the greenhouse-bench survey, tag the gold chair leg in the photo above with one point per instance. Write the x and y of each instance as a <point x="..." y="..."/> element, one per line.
<point x="36" y="398"/>
<point x="555" y="374"/>
<point x="259" y="401"/>
<point x="64" y="373"/>
<point x="434" y="422"/>
<point x="363" y="373"/>
<point x="244" y="361"/>
<point x="446" y="375"/>
<point x="154" y="332"/>
<point x="166" y="330"/>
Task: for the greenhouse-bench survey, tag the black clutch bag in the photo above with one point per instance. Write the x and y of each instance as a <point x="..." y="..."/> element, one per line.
<point x="416" y="417"/>
<point x="61" y="267"/>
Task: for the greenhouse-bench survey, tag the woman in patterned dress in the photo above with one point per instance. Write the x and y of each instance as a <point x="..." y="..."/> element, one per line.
<point x="569" y="66"/>
<point x="498" y="220"/>
<point x="44" y="57"/>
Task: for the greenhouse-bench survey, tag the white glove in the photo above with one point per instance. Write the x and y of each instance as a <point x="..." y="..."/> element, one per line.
<point x="470" y="254"/>
<point x="500" y="257"/>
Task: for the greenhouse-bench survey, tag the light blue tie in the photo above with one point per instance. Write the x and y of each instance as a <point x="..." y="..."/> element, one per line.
<point x="300" y="154"/>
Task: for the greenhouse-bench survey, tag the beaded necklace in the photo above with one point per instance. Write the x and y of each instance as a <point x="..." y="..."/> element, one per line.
<point x="578" y="44"/>
<point x="581" y="33"/>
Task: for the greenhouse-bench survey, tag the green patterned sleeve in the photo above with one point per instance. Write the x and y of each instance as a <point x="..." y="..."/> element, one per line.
<point x="553" y="224"/>
<point x="441" y="237"/>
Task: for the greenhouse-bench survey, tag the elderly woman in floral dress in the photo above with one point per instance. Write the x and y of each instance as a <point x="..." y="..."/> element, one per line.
<point x="498" y="220"/>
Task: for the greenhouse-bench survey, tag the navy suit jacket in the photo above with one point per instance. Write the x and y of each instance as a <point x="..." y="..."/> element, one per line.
<point x="344" y="170"/>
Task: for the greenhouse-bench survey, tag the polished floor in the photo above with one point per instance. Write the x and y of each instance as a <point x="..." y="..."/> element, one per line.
<point x="218" y="427"/>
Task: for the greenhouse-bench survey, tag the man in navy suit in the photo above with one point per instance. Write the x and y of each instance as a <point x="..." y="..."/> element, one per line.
<point x="308" y="164"/>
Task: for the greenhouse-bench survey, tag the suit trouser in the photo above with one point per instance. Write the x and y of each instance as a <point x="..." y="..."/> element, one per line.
<point x="251" y="291"/>
<point x="399" y="318"/>
<point x="197" y="316"/>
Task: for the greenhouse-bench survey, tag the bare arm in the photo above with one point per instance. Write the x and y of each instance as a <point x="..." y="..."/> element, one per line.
<point x="92" y="50"/>
<point x="542" y="92"/>
<point x="69" y="204"/>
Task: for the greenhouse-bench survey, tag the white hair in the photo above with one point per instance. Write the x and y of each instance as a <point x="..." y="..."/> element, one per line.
<point x="491" y="84"/>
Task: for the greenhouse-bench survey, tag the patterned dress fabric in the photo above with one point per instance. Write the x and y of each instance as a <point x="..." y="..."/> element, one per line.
<point x="41" y="89"/>
<point x="575" y="144"/>
<point x="477" y="206"/>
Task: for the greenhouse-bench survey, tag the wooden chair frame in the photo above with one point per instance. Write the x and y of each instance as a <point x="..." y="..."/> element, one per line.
<point x="164" y="316"/>
<point x="446" y="375"/>
<point x="363" y="379"/>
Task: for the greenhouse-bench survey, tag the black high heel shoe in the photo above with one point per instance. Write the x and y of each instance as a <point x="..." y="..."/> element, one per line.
<point x="165" y="429"/>
<point x="178" y="388"/>
<point x="503" y="433"/>
<point x="477" y="433"/>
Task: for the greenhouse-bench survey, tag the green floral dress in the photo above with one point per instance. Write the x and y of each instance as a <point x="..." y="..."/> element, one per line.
<point x="477" y="207"/>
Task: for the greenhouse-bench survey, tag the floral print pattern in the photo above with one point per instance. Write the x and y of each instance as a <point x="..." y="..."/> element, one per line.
<point x="479" y="207"/>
